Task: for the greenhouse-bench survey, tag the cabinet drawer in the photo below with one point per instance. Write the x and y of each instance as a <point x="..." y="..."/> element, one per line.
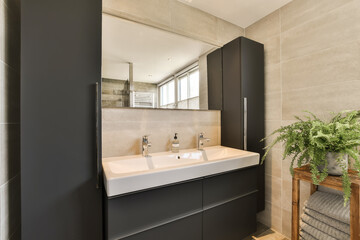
<point x="231" y="221"/>
<point x="189" y="228"/>
<point x="224" y="187"/>
<point x="136" y="212"/>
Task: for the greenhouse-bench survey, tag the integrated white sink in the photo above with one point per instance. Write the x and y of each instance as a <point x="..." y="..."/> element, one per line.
<point x="170" y="160"/>
<point x="222" y="153"/>
<point x="133" y="173"/>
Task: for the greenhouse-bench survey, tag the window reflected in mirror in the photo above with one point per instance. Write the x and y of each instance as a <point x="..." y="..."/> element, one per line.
<point x="182" y="90"/>
<point x="147" y="67"/>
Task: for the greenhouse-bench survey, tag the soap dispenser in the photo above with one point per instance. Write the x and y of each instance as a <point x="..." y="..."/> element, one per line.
<point x="175" y="145"/>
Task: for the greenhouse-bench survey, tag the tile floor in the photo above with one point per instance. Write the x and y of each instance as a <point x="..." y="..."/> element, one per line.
<point x="265" y="233"/>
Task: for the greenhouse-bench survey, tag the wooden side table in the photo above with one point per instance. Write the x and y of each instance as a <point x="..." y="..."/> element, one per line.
<point x="334" y="182"/>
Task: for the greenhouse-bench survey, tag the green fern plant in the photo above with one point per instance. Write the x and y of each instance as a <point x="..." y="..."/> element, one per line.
<point x="308" y="140"/>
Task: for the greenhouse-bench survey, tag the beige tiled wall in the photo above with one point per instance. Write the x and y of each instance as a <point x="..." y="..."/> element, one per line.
<point x="122" y="129"/>
<point x="312" y="54"/>
<point x="174" y="16"/>
<point x="9" y="119"/>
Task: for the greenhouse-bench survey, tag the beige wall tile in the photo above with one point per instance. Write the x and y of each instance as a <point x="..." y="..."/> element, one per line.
<point x="286" y="223"/>
<point x="271" y="48"/>
<point x="227" y="31"/>
<point x="270" y="127"/>
<point x="287" y="122"/>
<point x="123" y="129"/>
<point x="337" y="64"/>
<point x="174" y="16"/>
<point x="10" y="208"/>
<point x="272" y="78"/>
<point x="152" y="12"/>
<point x="2" y="31"/>
<point x="317" y="70"/>
<point x="273" y="106"/>
<point x="321" y="100"/>
<point x="9" y="94"/>
<point x="9" y="34"/>
<point x="273" y="163"/>
<point x="9" y="151"/>
<point x="286" y="175"/>
<point x="329" y="30"/>
<point x="273" y="190"/>
<point x="298" y="12"/>
<point x="271" y="216"/>
<point x="286" y="196"/>
<point x="193" y="21"/>
<point x="266" y="27"/>
<point x="4" y="77"/>
<point x="9" y="113"/>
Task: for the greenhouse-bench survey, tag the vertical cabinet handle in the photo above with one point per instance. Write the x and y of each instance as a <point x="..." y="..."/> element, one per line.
<point x="245" y="123"/>
<point x="97" y="135"/>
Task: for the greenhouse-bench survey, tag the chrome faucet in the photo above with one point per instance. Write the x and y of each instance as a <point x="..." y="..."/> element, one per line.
<point x="201" y="140"/>
<point x="145" y="146"/>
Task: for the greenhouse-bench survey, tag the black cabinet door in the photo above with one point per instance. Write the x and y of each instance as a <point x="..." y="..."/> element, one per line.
<point x="231" y="221"/>
<point x="232" y="132"/>
<point x="60" y="64"/>
<point x="188" y="228"/>
<point x="135" y="212"/>
<point x="225" y="187"/>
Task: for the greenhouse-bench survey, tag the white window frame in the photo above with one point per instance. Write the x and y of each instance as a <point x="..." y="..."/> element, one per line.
<point x="186" y="71"/>
<point x="188" y="84"/>
<point x="159" y="92"/>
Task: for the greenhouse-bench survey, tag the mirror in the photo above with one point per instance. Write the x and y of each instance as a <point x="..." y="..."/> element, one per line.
<point x="146" y="67"/>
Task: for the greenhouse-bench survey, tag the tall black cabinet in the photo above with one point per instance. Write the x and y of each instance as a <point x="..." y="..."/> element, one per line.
<point x="60" y="64"/>
<point x="242" y="116"/>
<point x="214" y="74"/>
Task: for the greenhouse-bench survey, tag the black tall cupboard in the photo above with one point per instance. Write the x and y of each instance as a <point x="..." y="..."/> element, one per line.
<point x="214" y="74"/>
<point x="243" y="107"/>
<point x="60" y="66"/>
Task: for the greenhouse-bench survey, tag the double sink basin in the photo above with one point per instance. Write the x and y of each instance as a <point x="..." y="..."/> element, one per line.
<point x="134" y="173"/>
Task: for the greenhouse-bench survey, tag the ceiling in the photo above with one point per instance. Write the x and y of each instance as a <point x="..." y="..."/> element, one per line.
<point x="239" y="12"/>
<point x="155" y="54"/>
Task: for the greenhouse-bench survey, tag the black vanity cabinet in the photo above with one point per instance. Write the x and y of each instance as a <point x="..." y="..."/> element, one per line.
<point x="241" y="64"/>
<point x="216" y="207"/>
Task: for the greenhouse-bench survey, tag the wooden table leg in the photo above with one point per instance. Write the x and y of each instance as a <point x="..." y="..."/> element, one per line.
<point x="295" y="208"/>
<point x="313" y="188"/>
<point x="354" y="212"/>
